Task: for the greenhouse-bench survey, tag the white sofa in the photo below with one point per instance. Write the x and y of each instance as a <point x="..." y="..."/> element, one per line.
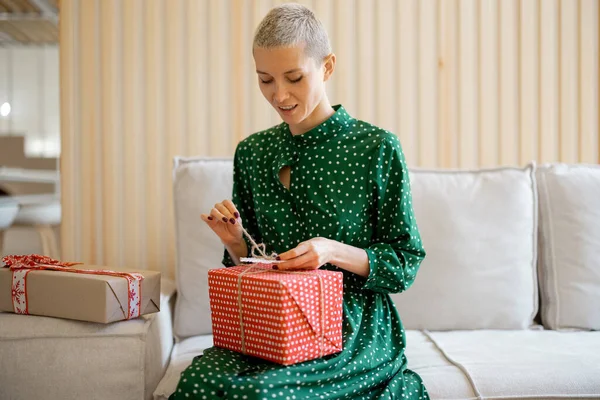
<point x="506" y="304"/>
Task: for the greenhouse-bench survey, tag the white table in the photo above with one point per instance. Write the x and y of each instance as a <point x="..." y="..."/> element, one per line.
<point x="29" y="199"/>
<point x="9" y="174"/>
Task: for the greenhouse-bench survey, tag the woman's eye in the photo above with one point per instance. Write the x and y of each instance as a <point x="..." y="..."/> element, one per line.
<point x="267" y="81"/>
<point x="295" y="80"/>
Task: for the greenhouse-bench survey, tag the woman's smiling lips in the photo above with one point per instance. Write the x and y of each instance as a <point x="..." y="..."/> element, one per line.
<point x="287" y="110"/>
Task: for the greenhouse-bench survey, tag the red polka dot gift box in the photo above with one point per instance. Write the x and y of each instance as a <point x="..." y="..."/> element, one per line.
<point x="285" y="317"/>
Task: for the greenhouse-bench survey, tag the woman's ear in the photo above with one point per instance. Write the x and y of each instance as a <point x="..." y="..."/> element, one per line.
<point x="329" y="66"/>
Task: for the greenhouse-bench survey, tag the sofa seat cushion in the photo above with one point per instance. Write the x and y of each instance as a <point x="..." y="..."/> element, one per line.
<point x="442" y="379"/>
<point x="423" y="356"/>
<point x="52" y="358"/>
<point x="494" y="364"/>
<point x="521" y="364"/>
<point x="181" y="357"/>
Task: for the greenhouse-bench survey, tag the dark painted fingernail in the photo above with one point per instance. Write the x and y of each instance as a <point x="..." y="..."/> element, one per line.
<point x="210" y="218"/>
<point x="225" y="219"/>
<point x="275" y="267"/>
<point x="232" y="221"/>
<point x="278" y="258"/>
<point x="236" y="214"/>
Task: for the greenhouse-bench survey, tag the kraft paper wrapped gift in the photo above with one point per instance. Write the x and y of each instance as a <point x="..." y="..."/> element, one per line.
<point x="285" y="317"/>
<point x="38" y="285"/>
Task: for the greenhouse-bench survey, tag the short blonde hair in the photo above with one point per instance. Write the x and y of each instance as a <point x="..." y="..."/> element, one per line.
<point x="292" y="24"/>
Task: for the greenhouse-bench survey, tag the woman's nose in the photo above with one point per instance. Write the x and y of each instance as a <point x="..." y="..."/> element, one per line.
<point x="280" y="94"/>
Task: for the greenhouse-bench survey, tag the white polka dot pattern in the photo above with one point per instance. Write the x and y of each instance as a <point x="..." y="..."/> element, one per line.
<point x="281" y="312"/>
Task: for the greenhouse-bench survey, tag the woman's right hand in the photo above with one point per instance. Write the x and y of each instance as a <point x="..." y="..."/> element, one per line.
<point x="224" y="219"/>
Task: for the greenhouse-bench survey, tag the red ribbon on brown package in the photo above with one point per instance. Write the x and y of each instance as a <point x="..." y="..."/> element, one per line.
<point x="21" y="266"/>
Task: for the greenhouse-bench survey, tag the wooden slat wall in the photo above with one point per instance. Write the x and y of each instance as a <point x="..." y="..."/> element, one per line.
<point x="463" y="83"/>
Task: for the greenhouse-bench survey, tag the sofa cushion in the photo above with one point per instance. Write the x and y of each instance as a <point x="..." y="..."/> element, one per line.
<point x="442" y="378"/>
<point x="479" y="229"/>
<point x="52" y="358"/>
<point x="198" y="184"/>
<point x="523" y="364"/>
<point x="569" y="265"/>
<point x="181" y="357"/>
<point x="491" y="364"/>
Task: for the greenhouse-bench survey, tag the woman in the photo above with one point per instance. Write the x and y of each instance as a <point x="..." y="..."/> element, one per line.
<point x="323" y="190"/>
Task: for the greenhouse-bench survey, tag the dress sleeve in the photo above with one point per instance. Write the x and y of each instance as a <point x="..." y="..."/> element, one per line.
<point x="396" y="250"/>
<point x="242" y="198"/>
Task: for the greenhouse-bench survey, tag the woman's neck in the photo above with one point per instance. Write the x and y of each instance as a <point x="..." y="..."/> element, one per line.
<point x="320" y="114"/>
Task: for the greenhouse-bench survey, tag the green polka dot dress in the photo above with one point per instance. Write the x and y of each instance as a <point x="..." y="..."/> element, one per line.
<point x="349" y="182"/>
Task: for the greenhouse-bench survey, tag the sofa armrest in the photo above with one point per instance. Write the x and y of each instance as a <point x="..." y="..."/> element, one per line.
<point x="162" y="328"/>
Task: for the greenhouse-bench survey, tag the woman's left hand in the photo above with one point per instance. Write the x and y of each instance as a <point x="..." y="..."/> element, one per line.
<point x="311" y="254"/>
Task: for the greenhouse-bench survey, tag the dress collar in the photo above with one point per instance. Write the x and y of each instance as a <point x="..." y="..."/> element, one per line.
<point x="335" y="125"/>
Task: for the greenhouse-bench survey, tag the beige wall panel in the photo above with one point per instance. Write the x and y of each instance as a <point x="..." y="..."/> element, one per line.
<point x="252" y="93"/>
<point x="263" y="115"/>
<point x="508" y="87"/>
<point x="549" y="81"/>
<point x="326" y="12"/>
<point x="219" y="83"/>
<point x="308" y="3"/>
<point x="569" y="89"/>
<point x="197" y="77"/>
<point x="589" y="85"/>
<point x="69" y="109"/>
<point x="88" y="130"/>
<point x="155" y="135"/>
<point x="529" y="81"/>
<point x="488" y="83"/>
<point x="111" y="154"/>
<point x="365" y="61"/>
<point x="241" y="65"/>
<point x="428" y="79"/>
<point x="133" y="153"/>
<point x="385" y="76"/>
<point x="408" y="85"/>
<point x="448" y="83"/>
<point x="175" y="71"/>
<point x="463" y="83"/>
<point x="175" y="120"/>
<point x="345" y="73"/>
<point x="468" y="83"/>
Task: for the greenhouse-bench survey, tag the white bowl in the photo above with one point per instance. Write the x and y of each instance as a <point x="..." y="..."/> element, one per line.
<point x="48" y="213"/>
<point x="8" y="212"/>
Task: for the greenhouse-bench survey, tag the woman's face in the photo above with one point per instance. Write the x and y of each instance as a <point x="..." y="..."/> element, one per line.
<point x="294" y="84"/>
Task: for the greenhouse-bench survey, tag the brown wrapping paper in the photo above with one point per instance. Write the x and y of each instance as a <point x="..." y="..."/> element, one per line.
<point x="94" y="298"/>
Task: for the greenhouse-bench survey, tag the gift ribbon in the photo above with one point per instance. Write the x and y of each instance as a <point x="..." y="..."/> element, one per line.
<point x="21" y="266"/>
<point x="253" y="269"/>
<point x="261" y="248"/>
